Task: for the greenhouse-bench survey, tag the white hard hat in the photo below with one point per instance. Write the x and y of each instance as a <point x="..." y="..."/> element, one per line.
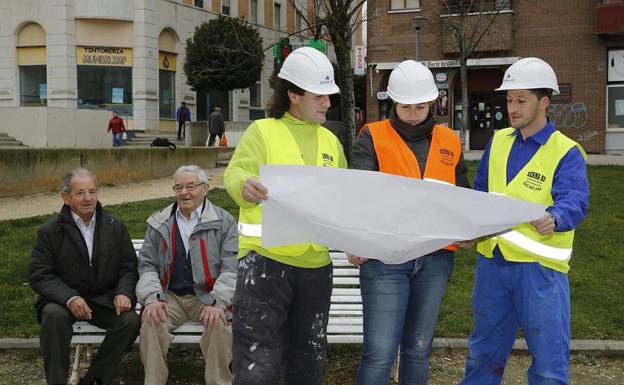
<point x="309" y="69"/>
<point x="412" y="83"/>
<point x="528" y="74"/>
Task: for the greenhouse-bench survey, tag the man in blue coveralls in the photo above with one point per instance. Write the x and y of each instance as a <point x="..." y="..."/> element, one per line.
<point x="520" y="278"/>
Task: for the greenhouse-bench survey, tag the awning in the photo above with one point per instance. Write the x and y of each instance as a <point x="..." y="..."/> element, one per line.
<point x="494" y="61"/>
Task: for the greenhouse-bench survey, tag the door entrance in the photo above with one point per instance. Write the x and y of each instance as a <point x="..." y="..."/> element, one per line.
<point x="489" y="113"/>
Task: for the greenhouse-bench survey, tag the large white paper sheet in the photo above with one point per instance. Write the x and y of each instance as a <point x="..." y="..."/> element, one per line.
<point x="376" y="215"/>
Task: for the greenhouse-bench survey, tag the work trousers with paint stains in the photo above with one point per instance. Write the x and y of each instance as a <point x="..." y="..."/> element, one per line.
<point x="280" y="322"/>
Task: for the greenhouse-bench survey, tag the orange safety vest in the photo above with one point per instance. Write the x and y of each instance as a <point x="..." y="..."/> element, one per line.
<point x="395" y="157"/>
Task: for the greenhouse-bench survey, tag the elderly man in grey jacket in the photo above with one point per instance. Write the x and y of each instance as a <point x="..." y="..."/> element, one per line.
<point x="187" y="271"/>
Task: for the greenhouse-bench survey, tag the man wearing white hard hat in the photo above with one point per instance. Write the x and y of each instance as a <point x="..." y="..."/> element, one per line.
<point x="520" y="279"/>
<point x="282" y="297"/>
<point x="401" y="302"/>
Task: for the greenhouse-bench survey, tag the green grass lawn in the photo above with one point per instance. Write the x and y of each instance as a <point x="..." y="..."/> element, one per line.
<point x="596" y="275"/>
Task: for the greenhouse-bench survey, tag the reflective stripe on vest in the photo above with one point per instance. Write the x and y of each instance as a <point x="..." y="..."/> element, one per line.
<point x="535" y="247"/>
<point x="395" y="157"/>
<point x="281" y="148"/>
<point x="533" y="183"/>
<point x="250" y="230"/>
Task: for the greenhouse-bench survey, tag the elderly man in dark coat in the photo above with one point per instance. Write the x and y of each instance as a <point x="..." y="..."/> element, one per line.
<point x="83" y="266"/>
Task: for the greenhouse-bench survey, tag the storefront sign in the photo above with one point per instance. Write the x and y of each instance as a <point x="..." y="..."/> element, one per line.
<point x="441" y="77"/>
<point x="167" y="61"/>
<point x="104" y="56"/>
<point x="360" y="65"/>
<point x="440" y="63"/>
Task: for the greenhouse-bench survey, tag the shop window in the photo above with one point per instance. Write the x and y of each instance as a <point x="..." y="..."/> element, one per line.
<point x="166" y="104"/>
<point x="255" y="95"/>
<point x="108" y="88"/>
<point x="404" y="4"/>
<point x="31" y="61"/>
<point x="33" y="85"/>
<point x="615" y="106"/>
<point x="253" y="11"/>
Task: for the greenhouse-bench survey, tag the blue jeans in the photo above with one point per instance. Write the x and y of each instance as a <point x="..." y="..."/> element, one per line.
<point x="508" y="296"/>
<point x="401" y="305"/>
<point x="117" y="139"/>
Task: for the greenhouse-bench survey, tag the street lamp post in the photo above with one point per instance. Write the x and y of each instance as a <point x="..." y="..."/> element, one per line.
<point x="417" y="22"/>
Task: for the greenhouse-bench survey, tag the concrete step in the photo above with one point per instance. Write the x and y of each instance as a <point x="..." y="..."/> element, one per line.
<point x="142" y="139"/>
<point x="9" y="141"/>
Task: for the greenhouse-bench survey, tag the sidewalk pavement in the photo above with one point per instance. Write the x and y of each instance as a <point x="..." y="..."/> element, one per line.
<point x="605" y="347"/>
<point x="30" y="205"/>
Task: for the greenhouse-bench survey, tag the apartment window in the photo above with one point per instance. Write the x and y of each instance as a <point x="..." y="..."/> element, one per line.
<point x="277" y="15"/>
<point x="461" y="6"/>
<point x="225" y="7"/>
<point x="299" y="21"/>
<point x="404" y="4"/>
<point x="199" y="3"/>
<point x="253" y="11"/>
<point x="615" y="106"/>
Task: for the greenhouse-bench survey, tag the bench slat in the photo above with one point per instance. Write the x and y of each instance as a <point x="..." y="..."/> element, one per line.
<point x="345" y="314"/>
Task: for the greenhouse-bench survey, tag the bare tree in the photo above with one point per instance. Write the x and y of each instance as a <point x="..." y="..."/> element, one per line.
<point x="339" y="19"/>
<point x="471" y="26"/>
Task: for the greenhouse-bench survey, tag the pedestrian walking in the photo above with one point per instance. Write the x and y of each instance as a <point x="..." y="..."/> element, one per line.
<point x="116" y="126"/>
<point x="183" y="115"/>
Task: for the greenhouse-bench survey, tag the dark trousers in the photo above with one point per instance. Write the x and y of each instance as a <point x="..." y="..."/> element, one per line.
<point x="181" y="130"/>
<point x="211" y="139"/>
<point x="280" y="322"/>
<point x="55" y="337"/>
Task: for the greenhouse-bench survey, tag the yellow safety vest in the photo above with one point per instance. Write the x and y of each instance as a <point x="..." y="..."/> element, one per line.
<point x="533" y="183"/>
<point x="281" y="148"/>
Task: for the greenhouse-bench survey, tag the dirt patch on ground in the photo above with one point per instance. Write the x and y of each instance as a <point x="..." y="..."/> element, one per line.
<point x="186" y="367"/>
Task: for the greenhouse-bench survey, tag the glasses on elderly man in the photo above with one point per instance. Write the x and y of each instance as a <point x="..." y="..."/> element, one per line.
<point x="189" y="187"/>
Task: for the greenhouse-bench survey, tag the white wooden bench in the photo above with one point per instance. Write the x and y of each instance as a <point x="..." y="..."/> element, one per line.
<point x="345" y="314"/>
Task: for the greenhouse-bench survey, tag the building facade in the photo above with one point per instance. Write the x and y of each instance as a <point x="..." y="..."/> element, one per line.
<point x="582" y="40"/>
<point x="124" y="55"/>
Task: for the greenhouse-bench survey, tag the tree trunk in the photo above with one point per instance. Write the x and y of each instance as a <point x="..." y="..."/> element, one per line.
<point x="466" y="114"/>
<point x="345" y="74"/>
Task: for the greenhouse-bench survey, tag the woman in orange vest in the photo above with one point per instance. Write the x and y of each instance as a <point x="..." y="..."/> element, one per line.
<point x="401" y="302"/>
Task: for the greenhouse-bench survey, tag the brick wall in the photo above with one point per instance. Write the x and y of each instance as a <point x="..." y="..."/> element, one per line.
<point x="562" y="32"/>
